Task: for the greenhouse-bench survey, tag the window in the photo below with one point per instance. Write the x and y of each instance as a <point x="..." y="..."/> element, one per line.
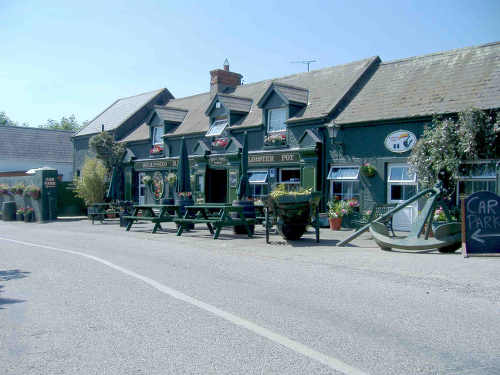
<point x="216" y="128"/>
<point x="344" y="182"/>
<point x="276" y="120"/>
<point x="401" y="183"/>
<point x="476" y="176"/>
<point x="158" y="132"/>
<point x="259" y="187"/>
<point x="290" y="177"/>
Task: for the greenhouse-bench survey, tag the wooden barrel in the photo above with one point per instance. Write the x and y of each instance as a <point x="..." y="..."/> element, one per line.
<point x="248" y="212"/>
<point x="9" y="211"/>
<point x="182" y="202"/>
<point x="291" y="232"/>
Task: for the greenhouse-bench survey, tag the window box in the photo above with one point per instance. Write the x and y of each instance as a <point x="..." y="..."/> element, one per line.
<point x="219" y="143"/>
<point x="275" y="139"/>
<point x="156" y="151"/>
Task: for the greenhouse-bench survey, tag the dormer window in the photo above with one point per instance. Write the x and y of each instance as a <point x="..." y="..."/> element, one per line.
<point x="157" y="138"/>
<point x="276" y="118"/>
<point x="217" y="128"/>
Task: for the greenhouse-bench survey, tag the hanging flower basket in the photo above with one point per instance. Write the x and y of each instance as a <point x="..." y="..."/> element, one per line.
<point x="171" y="178"/>
<point x="4" y="189"/>
<point x="147" y="180"/>
<point x="32" y="191"/>
<point x="19" y="189"/>
<point x="368" y="170"/>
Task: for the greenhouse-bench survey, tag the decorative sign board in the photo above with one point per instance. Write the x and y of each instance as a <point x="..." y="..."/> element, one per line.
<point x="400" y="141"/>
<point x="156" y="164"/>
<point x="285" y="157"/>
<point x="482" y="224"/>
<point x="158" y="186"/>
<point x="50" y="182"/>
<point x="233" y="179"/>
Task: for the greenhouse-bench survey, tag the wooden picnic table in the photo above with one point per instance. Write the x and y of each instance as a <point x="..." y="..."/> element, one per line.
<point x="167" y="213"/>
<point x="214" y="216"/>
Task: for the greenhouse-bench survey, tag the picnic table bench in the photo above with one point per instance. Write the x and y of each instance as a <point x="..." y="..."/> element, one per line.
<point x="214" y="216"/>
<point x="167" y="213"/>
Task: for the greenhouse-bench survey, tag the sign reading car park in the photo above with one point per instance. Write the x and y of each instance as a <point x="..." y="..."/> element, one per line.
<point x="400" y="141"/>
<point x="482" y="224"/>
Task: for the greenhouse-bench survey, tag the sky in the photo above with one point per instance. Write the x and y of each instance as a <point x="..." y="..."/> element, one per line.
<point x="59" y="58"/>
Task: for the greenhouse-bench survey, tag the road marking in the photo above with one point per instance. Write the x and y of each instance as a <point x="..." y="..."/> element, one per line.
<point x="297" y="347"/>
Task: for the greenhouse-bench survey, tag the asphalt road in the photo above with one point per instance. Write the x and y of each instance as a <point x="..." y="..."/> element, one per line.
<point x="83" y="299"/>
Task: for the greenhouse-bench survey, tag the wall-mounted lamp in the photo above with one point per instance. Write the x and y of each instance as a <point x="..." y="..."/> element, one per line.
<point x="333" y="132"/>
<point x="333" y="129"/>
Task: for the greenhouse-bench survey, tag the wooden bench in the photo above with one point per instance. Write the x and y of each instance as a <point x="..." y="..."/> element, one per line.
<point x="167" y="213"/>
<point x="99" y="211"/>
<point x="377" y="210"/>
<point x="204" y="214"/>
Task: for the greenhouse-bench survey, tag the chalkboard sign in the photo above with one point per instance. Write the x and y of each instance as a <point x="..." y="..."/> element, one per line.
<point x="482" y="224"/>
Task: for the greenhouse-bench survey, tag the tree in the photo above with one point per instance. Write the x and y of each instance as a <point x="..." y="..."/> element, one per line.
<point x="448" y="142"/>
<point x="91" y="185"/>
<point x="66" y="123"/>
<point x="6" y="121"/>
<point x="106" y="149"/>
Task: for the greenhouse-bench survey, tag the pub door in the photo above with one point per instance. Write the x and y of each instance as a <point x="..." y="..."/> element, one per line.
<point x="216" y="186"/>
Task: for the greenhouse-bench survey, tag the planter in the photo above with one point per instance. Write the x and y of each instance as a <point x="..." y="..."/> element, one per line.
<point x="248" y="213"/>
<point x="28" y="217"/>
<point x="9" y="211"/>
<point x="20" y="217"/>
<point x="293" y="213"/>
<point x="335" y="223"/>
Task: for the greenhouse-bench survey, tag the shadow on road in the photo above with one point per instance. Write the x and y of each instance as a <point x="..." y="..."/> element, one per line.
<point x="8" y="275"/>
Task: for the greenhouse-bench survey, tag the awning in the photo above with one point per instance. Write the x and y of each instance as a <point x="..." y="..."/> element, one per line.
<point x="258" y="177"/>
<point x="343" y="173"/>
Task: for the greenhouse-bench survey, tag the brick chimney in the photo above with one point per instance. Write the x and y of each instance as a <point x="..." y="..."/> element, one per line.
<point x="222" y="80"/>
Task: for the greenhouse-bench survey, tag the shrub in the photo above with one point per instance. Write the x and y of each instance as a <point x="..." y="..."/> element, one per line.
<point x="91" y="185"/>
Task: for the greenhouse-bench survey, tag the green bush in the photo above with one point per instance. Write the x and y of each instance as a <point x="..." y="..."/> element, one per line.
<point x="91" y="185"/>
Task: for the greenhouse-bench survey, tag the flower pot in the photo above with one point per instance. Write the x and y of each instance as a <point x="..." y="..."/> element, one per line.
<point x="20" y="217"/>
<point x="28" y="217"/>
<point x="335" y="223"/>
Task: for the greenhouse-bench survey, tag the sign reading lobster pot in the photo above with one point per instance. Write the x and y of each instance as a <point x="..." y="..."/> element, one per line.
<point x="482" y="224"/>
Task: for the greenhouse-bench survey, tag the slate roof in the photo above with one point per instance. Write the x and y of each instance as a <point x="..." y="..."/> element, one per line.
<point x="292" y="94"/>
<point x="170" y="114"/>
<point x="444" y="82"/>
<point x="141" y="133"/>
<point x="236" y="103"/>
<point x="49" y="145"/>
<point x="118" y="112"/>
<point x="326" y="89"/>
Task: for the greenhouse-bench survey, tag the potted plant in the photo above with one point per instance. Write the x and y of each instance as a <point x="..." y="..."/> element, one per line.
<point x="337" y="209"/>
<point x="29" y="214"/>
<point x="220" y="142"/>
<point x="147" y="180"/>
<point x="110" y="213"/>
<point x="20" y="214"/>
<point x="171" y="179"/>
<point x="293" y="210"/>
<point x="32" y="191"/>
<point x="368" y="170"/>
<point x="156" y="150"/>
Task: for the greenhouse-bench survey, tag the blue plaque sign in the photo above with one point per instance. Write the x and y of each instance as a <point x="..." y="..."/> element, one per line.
<point x="482" y="224"/>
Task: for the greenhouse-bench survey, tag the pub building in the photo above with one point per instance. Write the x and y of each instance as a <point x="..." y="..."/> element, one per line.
<point x="309" y="130"/>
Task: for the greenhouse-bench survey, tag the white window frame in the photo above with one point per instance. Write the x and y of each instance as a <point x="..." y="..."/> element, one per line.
<point x="264" y="185"/>
<point x="476" y="178"/>
<point x="400" y="182"/>
<point x="215" y="133"/>
<point x="269" y="112"/>
<point x="347" y="183"/>
<point x="155" y="135"/>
